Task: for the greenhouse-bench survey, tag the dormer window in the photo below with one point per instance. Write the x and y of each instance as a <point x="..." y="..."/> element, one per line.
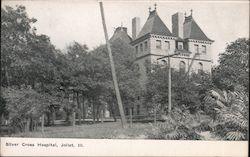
<point x="158" y="44"/>
<point x="204" y="49"/>
<point x="180" y="46"/>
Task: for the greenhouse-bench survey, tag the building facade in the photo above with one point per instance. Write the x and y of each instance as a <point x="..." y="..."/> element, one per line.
<point x="192" y="48"/>
<point x="187" y="44"/>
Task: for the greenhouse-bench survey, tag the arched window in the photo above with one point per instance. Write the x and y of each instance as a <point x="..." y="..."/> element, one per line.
<point x="182" y="66"/>
<point x="200" y="69"/>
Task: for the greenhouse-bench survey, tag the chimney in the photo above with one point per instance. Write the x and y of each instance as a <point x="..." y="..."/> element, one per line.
<point x="177" y="24"/>
<point x="135" y="27"/>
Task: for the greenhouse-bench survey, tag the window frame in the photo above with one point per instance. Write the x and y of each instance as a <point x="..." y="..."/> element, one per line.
<point x="141" y="47"/>
<point x="158" y="46"/>
<point x="167" y="43"/>
<point x="196" y="48"/>
<point x="145" y="45"/>
<point x="182" y="67"/>
<point x="136" y="49"/>
<point x="205" y="49"/>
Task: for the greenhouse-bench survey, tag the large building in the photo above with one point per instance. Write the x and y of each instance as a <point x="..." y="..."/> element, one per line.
<point x="187" y="44"/>
<point x="192" y="48"/>
<point x="190" y="44"/>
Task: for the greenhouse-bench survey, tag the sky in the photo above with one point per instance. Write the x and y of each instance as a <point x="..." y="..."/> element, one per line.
<point x="75" y="20"/>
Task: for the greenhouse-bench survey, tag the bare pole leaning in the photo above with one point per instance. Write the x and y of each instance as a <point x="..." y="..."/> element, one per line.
<point x="169" y="87"/>
<point x="118" y="96"/>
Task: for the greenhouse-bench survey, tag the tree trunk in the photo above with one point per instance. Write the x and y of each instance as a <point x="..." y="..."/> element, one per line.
<point x="79" y="108"/>
<point x="27" y="127"/>
<point x="83" y="107"/>
<point x="154" y="114"/>
<point x="93" y="110"/>
<point x="74" y="120"/>
<point x="53" y="116"/>
<point x="43" y="123"/>
<point x="97" y="112"/>
<point x="130" y="117"/>
<point x="48" y="118"/>
<point x="6" y="73"/>
<point x="113" y="111"/>
<point x="102" y="115"/>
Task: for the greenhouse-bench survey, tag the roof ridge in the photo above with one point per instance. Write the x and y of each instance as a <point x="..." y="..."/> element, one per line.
<point x="154" y="25"/>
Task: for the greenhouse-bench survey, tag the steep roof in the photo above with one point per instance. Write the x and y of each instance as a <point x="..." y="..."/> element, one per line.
<point x="121" y="33"/>
<point x="193" y="31"/>
<point x="154" y="25"/>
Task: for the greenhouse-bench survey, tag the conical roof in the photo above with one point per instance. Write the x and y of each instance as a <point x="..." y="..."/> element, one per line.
<point x="193" y="31"/>
<point x="121" y="33"/>
<point x="154" y="25"/>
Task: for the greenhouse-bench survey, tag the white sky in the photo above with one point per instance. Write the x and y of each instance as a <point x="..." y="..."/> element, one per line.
<point x="74" y="20"/>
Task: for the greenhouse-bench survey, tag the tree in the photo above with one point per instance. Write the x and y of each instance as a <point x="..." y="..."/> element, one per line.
<point x="231" y="113"/>
<point x="233" y="66"/>
<point x="187" y="93"/>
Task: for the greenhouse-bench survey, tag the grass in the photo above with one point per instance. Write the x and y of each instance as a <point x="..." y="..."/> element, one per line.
<point x="105" y="130"/>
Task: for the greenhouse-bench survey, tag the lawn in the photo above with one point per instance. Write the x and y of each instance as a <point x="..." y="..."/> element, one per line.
<point x="105" y="130"/>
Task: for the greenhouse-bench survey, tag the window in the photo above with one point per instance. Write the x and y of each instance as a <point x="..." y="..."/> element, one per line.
<point x="182" y="66"/>
<point x="196" y="48"/>
<point x="158" y="44"/>
<point x="167" y="45"/>
<point x="200" y="70"/>
<point x="204" y="49"/>
<point x="141" y="48"/>
<point x="145" y="45"/>
<point x="180" y="45"/>
<point x="136" y="49"/>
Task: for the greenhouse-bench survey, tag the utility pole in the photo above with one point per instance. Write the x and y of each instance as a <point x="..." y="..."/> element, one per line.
<point x="169" y="80"/>
<point x="169" y="76"/>
<point x="169" y="87"/>
<point x="118" y="96"/>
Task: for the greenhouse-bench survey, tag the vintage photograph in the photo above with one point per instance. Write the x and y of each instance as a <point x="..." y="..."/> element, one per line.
<point x="158" y="70"/>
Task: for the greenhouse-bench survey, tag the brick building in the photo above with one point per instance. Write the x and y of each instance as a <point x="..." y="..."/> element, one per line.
<point x="154" y="40"/>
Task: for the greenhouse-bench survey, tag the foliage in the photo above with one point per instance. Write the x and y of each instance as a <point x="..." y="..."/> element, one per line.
<point x="24" y="104"/>
<point x="187" y="92"/>
<point x="27" y="59"/>
<point x="233" y="66"/>
<point x="231" y="113"/>
<point x="180" y="126"/>
<point x="3" y="109"/>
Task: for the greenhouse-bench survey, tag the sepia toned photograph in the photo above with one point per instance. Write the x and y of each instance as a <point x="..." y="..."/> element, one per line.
<point x="137" y="70"/>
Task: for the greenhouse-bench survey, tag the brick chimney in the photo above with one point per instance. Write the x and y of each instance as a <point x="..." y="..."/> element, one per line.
<point x="135" y="27"/>
<point x="177" y="24"/>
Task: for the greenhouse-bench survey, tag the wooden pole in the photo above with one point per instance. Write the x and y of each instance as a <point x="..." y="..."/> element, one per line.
<point x="118" y="96"/>
<point x="43" y="123"/>
<point x="169" y="87"/>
